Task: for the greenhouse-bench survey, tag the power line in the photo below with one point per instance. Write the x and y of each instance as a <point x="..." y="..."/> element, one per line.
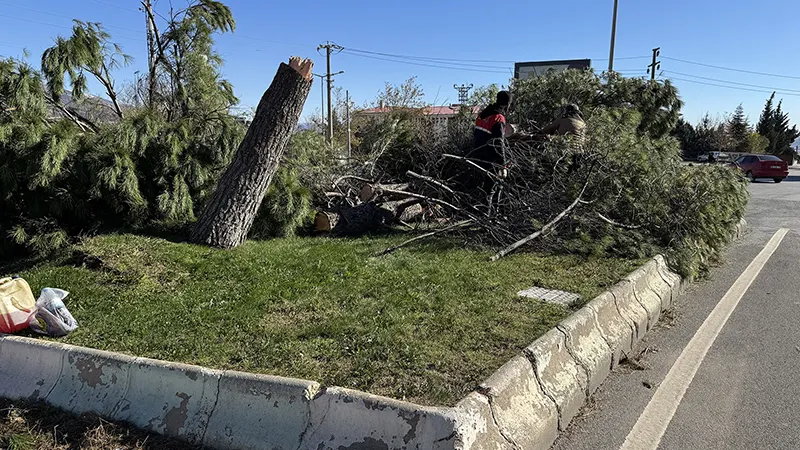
<point x="116" y="6"/>
<point x="292" y="44"/>
<point x="64" y="17"/>
<point x="428" y="65"/>
<point x="732" y="69"/>
<point x="428" y="58"/>
<point x="732" y="87"/>
<point x="57" y="26"/>
<point x="461" y="60"/>
<point x="732" y="82"/>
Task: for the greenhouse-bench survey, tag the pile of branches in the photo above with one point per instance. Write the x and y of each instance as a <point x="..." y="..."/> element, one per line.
<point x="544" y="183"/>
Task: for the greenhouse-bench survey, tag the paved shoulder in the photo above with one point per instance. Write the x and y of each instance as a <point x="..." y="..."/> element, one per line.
<point x="742" y="394"/>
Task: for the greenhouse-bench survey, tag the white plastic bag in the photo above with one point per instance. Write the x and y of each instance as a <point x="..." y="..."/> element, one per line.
<point x="52" y="317"/>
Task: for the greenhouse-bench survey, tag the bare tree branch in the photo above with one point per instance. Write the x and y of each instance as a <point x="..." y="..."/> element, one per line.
<point x="617" y="224"/>
<point x="424" y="236"/>
<point x="544" y="229"/>
<point x="471" y="163"/>
<point x="430" y="181"/>
<point x="352" y="177"/>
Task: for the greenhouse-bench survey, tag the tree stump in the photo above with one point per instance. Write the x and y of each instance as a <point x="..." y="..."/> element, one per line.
<point x="230" y="214"/>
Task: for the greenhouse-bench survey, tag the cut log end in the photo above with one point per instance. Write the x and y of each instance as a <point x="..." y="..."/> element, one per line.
<point x="325" y="222"/>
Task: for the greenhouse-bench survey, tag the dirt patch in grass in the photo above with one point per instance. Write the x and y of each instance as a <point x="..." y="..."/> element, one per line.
<point x="36" y="426"/>
<point x="424" y="324"/>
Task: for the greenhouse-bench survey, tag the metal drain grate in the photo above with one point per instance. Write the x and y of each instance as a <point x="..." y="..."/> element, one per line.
<point x="550" y="296"/>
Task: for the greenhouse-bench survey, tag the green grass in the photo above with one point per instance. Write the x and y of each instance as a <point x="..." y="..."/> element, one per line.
<point x="425" y="324"/>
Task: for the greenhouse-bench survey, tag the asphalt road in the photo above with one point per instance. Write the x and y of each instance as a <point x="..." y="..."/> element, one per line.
<point x="745" y="393"/>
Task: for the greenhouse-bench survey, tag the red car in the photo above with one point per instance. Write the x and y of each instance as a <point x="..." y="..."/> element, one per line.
<point x="763" y="166"/>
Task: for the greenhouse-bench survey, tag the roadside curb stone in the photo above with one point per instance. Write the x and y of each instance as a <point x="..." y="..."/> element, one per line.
<point x="562" y="379"/>
<point x="29" y="369"/>
<point x="525" y="416"/>
<point x="264" y="409"/>
<point x="585" y="343"/>
<point x="640" y="281"/>
<point x="617" y="331"/>
<point x="672" y="279"/>
<point x="169" y="398"/>
<point x="91" y="380"/>
<point x="477" y="428"/>
<point x="630" y="309"/>
<point x="344" y="418"/>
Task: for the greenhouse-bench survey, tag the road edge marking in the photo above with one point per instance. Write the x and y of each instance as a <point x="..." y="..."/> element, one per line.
<point x="649" y="429"/>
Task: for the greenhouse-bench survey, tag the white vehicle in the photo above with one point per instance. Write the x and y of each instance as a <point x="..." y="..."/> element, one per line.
<point x="714" y="157"/>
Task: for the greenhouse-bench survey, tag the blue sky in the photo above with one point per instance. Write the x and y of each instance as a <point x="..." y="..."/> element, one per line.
<point x="739" y="34"/>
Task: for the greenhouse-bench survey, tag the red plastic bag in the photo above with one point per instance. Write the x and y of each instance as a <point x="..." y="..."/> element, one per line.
<point x="17" y="305"/>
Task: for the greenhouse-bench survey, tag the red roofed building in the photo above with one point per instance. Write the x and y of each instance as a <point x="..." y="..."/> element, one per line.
<point x="439" y="114"/>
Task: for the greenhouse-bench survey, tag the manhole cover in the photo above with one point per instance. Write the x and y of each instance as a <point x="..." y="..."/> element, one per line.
<point x="550" y="296"/>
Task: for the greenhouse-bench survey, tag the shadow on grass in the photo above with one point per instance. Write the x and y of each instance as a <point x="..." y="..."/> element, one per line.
<point x="12" y="265"/>
<point x="29" y="425"/>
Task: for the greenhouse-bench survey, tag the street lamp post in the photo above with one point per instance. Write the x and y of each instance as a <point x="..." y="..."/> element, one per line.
<point x="613" y="37"/>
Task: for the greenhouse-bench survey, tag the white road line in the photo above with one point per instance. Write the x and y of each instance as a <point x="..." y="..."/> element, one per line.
<point x="653" y="423"/>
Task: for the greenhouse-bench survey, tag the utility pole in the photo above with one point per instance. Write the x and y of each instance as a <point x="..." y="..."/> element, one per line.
<point x="463" y="92"/>
<point x="613" y="37"/>
<point x="147" y="7"/>
<point x="656" y="65"/>
<point x="330" y="48"/>
<point x="321" y="97"/>
<point x="347" y="120"/>
<point x="146" y="4"/>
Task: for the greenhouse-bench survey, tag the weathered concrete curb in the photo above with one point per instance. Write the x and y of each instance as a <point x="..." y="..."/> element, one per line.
<point x="572" y="360"/>
<point x="220" y="409"/>
<point x="523" y="405"/>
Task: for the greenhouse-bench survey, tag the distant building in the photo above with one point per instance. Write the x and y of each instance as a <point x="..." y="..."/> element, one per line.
<point x="439" y="114"/>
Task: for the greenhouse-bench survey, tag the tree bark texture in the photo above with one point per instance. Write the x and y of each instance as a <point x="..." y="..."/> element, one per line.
<point x="230" y="214"/>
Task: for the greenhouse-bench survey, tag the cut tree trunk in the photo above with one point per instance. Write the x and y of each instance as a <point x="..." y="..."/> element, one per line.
<point x="366" y="217"/>
<point x="325" y="221"/>
<point x="228" y="217"/>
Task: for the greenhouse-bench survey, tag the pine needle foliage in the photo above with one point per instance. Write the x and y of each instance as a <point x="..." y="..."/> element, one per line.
<point x="64" y="173"/>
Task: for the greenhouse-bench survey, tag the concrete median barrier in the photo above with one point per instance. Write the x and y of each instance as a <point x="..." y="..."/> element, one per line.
<point x="615" y="329"/>
<point x="561" y="377"/>
<point x="588" y="347"/>
<point x="640" y="281"/>
<point x="91" y="381"/>
<point x="169" y="398"/>
<point x="29" y="369"/>
<point x="525" y="416"/>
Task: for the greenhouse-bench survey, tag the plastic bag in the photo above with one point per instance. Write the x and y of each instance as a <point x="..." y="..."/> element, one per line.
<point x="16" y="304"/>
<point x="52" y="317"/>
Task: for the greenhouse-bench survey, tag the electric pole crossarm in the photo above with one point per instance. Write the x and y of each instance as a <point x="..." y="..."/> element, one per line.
<point x="655" y="65"/>
<point x="463" y="92"/>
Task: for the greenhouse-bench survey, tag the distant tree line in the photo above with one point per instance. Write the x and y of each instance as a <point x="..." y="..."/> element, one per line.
<point x="772" y="134"/>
